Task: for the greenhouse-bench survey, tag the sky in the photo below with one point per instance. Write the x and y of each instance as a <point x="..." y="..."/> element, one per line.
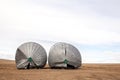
<point x="92" y="26"/>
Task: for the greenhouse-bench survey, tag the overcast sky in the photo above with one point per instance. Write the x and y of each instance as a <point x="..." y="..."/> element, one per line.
<point x="93" y="26"/>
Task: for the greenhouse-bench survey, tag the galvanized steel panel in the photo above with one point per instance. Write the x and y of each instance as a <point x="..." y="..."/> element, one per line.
<point x="32" y="54"/>
<point x="64" y="54"/>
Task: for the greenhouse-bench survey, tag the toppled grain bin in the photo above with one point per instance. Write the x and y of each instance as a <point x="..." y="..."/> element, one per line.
<point x="64" y="55"/>
<point x="30" y="55"/>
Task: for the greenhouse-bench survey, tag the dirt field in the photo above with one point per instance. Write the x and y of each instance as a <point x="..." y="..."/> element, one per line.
<point x="8" y="71"/>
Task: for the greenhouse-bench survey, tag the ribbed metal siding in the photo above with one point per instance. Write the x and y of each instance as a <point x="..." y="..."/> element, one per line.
<point x="61" y="52"/>
<point x="30" y="50"/>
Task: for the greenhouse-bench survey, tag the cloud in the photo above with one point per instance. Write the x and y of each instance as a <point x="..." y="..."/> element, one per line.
<point x="77" y="23"/>
<point x="48" y="22"/>
<point x="96" y="56"/>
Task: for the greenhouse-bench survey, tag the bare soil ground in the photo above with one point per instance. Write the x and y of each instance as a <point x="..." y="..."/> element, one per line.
<point x="8" y="71"/>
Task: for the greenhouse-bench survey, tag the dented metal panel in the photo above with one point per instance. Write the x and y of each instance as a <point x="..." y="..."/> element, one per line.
<point x="30" y="55"/>
<point x="64" y="55"/>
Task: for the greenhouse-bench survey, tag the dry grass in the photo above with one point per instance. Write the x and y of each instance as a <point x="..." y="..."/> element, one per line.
<point x="8" y="71"/>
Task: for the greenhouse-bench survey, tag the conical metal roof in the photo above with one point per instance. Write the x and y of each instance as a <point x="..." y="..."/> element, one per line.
<point x="64" y="55"/>
<point x="30" y="55"/>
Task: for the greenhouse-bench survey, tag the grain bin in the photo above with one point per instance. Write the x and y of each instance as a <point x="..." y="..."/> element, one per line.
<point x="64" y="55"/>
<point x="30" y="55"/>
